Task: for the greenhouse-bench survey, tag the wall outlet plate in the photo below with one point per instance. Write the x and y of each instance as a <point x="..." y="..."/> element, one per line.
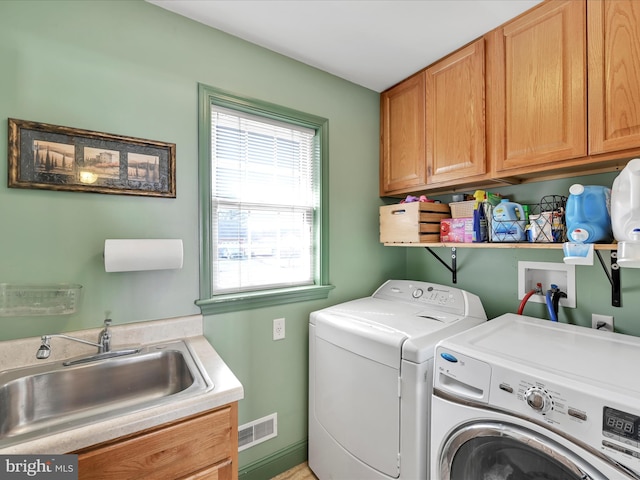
<point x="278" y="328"/>
<point x="547" y="273"/>
<point x="604" y="323"/>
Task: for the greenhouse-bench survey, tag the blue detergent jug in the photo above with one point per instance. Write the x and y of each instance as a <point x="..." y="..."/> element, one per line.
<point x="508" y="223"/>
<point x="588" y="216"/>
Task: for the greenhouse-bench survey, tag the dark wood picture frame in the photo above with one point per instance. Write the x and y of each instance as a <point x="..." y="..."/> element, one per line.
<point x="52" y="157"/>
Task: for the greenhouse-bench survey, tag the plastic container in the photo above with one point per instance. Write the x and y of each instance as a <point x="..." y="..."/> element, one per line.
<point x="588" y="215"/>
<point x="508" y="223"/>
<point x="35" y="300"/>
<point x="479" y="220"/>
<point x="625" y="214"/>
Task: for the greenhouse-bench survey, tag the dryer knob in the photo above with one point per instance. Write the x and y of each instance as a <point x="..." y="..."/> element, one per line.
<point x="417" y="293"/>
<point x="538" y="399"/>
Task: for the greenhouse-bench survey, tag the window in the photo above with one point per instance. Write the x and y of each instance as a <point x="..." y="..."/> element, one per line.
<point x="263" y="204"/>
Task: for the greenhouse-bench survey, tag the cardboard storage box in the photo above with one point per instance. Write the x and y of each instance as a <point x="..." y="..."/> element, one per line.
<point x="416" y="222"/>
<point x="456" y="230"/>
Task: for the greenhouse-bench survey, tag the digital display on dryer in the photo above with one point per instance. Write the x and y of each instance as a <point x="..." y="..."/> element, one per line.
<point x="616" y="422"/>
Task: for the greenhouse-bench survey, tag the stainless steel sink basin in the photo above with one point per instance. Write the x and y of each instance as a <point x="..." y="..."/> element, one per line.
<point x="49" y="398"/>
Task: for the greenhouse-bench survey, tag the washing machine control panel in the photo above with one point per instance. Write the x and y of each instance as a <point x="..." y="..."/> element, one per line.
<point x="538" y="399"/>
<point x="623" y="427"/>
<point x="593" y="419"/>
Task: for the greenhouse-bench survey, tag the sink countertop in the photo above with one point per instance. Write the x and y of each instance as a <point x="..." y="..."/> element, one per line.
<point x="227" y="388"/>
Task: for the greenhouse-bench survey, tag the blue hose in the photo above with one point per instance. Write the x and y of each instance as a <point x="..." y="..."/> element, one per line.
<point x="552" y="314"/>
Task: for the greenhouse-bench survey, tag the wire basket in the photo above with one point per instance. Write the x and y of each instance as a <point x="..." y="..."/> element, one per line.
<point x="545" y="223"/>
<point x="546" y="220"/>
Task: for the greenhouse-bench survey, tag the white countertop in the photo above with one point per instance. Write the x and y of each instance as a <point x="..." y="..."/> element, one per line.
<point x="227" y="388"/>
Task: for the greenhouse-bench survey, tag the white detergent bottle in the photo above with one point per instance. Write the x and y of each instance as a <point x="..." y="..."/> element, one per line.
<point x="625" y="214"/>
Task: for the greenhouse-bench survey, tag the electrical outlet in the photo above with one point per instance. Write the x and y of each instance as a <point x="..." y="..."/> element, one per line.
<point x="278" y="328"/>
<point x="602" y="322"/>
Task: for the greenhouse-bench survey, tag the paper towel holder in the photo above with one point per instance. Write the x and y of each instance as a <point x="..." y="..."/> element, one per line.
<point x="135" y="255"/>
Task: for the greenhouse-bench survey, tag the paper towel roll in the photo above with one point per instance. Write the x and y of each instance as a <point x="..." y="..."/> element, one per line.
<point x="130" y="255"/>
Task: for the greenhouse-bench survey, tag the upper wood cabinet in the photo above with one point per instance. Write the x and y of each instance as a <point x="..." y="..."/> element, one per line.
<point x="455" y="106"/>
<point x="433" y="125"/>
<point x="554" y="92"/>
<point x="538" y="79"/>
<point x="402" y="137"/>
<point x="614" y="75"/>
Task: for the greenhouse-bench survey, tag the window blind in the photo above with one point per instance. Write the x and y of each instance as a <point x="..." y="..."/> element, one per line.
<point x="264" y="197"/>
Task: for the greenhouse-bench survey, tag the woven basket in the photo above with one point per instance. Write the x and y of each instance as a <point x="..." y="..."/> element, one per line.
<point x="462" y="209"/>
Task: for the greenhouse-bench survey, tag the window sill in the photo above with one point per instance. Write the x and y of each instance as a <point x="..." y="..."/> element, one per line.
<point x="249" y="300"/>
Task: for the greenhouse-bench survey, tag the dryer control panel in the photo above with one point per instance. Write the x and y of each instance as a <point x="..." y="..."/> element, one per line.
<point x="432" y="295"/>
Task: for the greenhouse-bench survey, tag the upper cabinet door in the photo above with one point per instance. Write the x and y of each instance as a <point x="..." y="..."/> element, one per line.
<point x="539" y="115"/>
<point x="614" y="75"/>
<point x="456" y="115"/>
<point x="402" y="137"/>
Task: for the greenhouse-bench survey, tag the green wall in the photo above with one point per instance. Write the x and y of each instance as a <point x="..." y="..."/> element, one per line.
<point x="493" y="273"/>
<point x="131" y="68"/>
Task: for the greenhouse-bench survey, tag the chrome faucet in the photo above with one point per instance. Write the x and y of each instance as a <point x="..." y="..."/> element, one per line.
<point x="104" y="341"/>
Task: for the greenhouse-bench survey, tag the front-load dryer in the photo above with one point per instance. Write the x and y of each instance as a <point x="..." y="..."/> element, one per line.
<point x="525" y="398"/>
<point x="371" y="375"/>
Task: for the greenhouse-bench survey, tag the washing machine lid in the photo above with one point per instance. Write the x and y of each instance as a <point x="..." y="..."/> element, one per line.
<point x="600" y="361"/>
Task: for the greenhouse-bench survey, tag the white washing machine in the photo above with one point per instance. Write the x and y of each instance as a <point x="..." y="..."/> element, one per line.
<point x="520" y="398"/>
<point x="371" y="377"/>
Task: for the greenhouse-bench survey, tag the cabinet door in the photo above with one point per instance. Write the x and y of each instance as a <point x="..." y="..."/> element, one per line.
<point x="402" y="137"/>
<point x="222" y="471"/>
<point x="201" y="444"/>
<point x="614" y="75"/>
<point x="540" y="85"/>
<point x="455" y="115"/>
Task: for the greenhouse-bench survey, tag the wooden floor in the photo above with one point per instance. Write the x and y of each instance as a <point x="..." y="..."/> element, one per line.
<point x="300" y="472"/>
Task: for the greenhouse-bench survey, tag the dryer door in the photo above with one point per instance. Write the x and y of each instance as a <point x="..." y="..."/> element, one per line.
<point x="357" y="400"/>
<point x="503" y="451"/>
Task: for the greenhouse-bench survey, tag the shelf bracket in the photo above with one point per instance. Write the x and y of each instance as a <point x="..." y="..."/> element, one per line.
<point x="613" y="277"/>
<point x="454" y="266"/>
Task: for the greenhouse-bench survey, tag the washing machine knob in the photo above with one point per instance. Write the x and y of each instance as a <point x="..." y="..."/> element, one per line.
<point x="538" y="399"/>
<point x="417" y="293"/>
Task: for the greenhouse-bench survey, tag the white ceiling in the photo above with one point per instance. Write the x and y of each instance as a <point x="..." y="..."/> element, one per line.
<point x="372" y="43"/>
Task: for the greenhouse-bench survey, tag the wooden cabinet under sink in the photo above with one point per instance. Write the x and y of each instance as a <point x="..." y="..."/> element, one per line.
<point x="204" y="446"/>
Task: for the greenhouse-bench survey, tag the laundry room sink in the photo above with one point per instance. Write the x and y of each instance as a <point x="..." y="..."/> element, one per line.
<point x="45" y="399"/>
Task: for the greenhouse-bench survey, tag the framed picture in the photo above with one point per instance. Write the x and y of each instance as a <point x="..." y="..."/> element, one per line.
<point x="62" y="158"/>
